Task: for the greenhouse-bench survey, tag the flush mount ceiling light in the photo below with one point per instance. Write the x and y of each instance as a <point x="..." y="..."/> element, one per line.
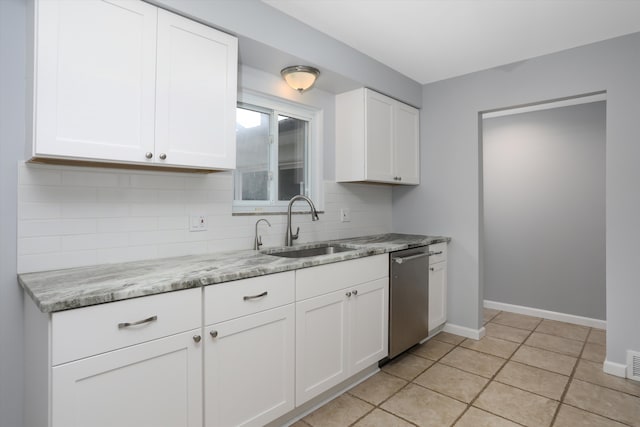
<point x="300" y="77"/>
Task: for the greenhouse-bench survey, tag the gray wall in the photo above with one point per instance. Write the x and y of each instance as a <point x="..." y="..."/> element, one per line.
<point x="448" y="200"/>
<point x="544" y="209"/>
<point x="258" y="21"/>
<point x="12" y="134"/>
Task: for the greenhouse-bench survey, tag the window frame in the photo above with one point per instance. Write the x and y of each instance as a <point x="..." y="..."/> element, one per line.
<point x="313" y="153"/>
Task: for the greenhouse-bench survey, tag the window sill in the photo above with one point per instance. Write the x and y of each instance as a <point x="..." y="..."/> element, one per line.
<point x="266" y="213"/>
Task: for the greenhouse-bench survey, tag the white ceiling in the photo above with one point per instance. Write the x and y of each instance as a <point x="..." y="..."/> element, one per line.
<point x="430" y="40"/>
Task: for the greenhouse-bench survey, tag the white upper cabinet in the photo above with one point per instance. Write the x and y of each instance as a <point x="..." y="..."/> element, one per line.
<point x="379" y="147"/>
<point x="195" y="94"/>
<point x="95" y="79"/>
<point x="126" y="82"/>
<point x="406" y="144"/>
<point x="377" y="139"/>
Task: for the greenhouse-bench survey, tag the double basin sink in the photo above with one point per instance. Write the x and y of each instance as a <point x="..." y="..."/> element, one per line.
<point x="308" y="250"/>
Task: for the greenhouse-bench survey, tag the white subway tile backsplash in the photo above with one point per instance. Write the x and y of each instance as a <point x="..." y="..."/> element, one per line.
<point x="173" y="223"/>
<point x="111" y="225"/>
<point x="87" y="178"/>
<point x="158" y="180"/>
<point x="179" y="249"/>
<point x="115" y="255"/>
<point x="55" y="227"/>
<point x="39" y="245"/>
<point x="81" y="242"/>
<point x="38" y="175"/>
<point x="55" y="260"/>
<point x="140" y="238"/>
<point x="94" y="210"/>
<point x="74" y="216"/>
<point x="34" y="210"/>
<point x="126" y="195"/>
<point x="55" y="194"/>
<point x="156" y="208"/>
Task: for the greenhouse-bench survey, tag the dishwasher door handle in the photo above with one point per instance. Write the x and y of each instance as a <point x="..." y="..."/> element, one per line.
<point x="409" y="258"/>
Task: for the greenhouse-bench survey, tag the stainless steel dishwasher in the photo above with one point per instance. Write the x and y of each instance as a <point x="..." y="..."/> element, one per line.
<point x="408" y="299"/>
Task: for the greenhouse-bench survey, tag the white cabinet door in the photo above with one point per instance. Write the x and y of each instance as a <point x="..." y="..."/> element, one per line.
<point x="321" y="344"/>
<point x="407" y="143"/>
<point x="368" y="324"/>
<point x="377" y="139"/>
<point x="158" y="383"/>
<point x="249" y="368"/>
<point x="379" y="134"/>
<point x="196" y="94"/>
<point x="95" y="79"/>
<point x="437" y="294"/>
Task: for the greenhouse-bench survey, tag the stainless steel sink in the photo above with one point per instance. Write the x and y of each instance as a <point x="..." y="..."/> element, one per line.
<point x="315" y="250"/>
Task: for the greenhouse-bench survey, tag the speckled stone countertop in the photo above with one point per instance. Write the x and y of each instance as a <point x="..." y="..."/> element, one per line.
<point x="79" y="287"/>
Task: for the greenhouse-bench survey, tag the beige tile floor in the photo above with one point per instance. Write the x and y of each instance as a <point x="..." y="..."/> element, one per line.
<point x="526" y="371"/>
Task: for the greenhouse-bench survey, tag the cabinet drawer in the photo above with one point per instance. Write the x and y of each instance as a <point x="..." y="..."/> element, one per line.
<point x="239" y="298"/>
<point x="440" y="252"/>
<point x="320" y="280"/>
<point x="92" y="330"/>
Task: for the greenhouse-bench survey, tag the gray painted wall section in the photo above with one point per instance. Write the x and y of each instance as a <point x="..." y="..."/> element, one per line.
<point x="544" y="209"/>
<point x="447" y="201"/>
<point x="258" y="21"/>
<point x="12" y="134"/>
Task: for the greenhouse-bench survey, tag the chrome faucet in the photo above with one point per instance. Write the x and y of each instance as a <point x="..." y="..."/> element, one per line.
<point x="258" y="240"/>
<point x="290" y="237"/>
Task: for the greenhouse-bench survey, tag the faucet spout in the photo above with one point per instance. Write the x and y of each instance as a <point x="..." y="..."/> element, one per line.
<point x="290" y="236"/>
<point x="258" y="239"/>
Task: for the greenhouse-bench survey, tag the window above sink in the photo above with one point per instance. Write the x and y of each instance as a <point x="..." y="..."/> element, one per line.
<point x="278" y="153"/>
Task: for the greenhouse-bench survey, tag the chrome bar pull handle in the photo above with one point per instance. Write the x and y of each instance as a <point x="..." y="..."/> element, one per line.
<point x="435" y="253"/>
<point x="250" y="297"/>
<point x="409" y="258"/>
<point x="139" y="322"/>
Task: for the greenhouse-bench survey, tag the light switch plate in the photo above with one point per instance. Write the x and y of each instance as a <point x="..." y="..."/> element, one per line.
<point x="197" y="222"/>
<point x="345" y="215"/>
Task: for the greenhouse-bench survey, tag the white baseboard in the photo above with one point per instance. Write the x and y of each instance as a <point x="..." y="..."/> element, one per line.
<point x="546" y="314"/>
<point x="617" y="369"/>
<point x="463" y="331"/>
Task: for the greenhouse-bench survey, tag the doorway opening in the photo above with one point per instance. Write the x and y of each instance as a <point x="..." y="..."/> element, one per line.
<point x="542" y="208"/>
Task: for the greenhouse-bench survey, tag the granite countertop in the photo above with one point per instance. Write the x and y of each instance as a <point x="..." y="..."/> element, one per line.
<point x="80" y="287"/>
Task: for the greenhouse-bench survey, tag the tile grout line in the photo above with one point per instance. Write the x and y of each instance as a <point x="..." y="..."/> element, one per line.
<point x="496" y="374"/>
<point x="379" y="406"/>
<point x="493" y="378"/>
<point x="571" y="377"/>
<point x="568" y="385"/>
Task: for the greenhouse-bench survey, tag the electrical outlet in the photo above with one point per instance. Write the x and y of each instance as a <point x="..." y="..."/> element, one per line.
<point x="345" y="215"/>
<point x="197" y="222"/>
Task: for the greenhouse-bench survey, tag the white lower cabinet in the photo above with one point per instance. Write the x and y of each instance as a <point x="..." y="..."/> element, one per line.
<point x="249" y="359"/>
<point x="269" y="344"/>
<point x="249" y="369"/>
<point x="132" y="363"/>
<point x="437" y="286"/>
<point x="342" y="332"/>
<point x="321" y="344"/>
<point x="153" y="384"/>
<point x="368" y="324"/>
